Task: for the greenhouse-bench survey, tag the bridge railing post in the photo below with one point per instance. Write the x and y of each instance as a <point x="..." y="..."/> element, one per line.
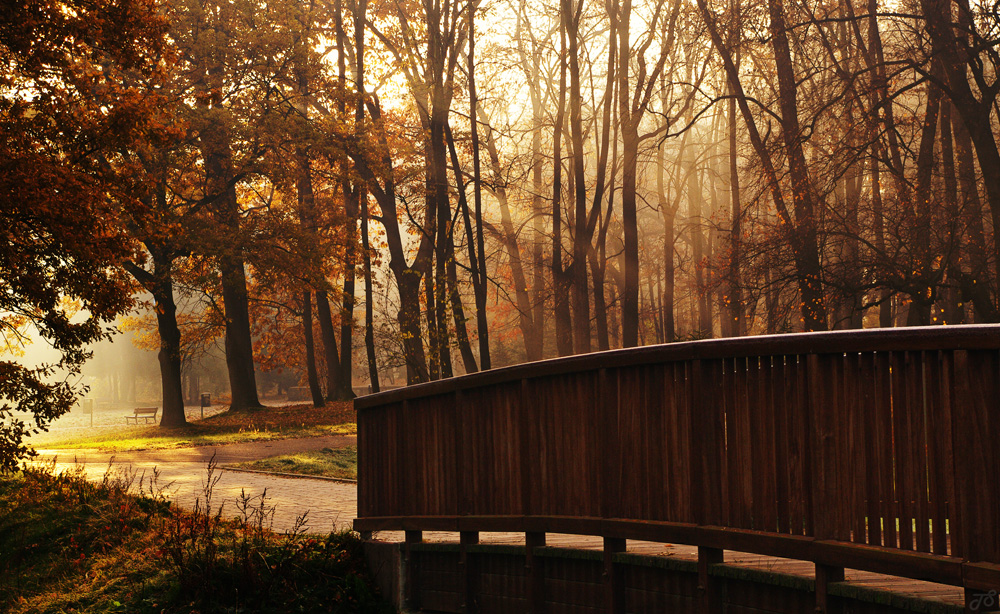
<point x="614" y="576"/>
<point x="535" y="572"/>
<point x="410" y="569"/>
<point x="468" y="571"/>
<point x="709" y="597"/>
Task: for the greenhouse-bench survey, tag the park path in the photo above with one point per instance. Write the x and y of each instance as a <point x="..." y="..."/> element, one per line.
<point x="329" y="505"/>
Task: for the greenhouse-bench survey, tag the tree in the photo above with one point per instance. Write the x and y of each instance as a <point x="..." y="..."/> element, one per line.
<point x="64" y="114"/>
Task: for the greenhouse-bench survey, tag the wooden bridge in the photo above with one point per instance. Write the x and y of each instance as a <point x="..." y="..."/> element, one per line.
<point x="875" y="450"/>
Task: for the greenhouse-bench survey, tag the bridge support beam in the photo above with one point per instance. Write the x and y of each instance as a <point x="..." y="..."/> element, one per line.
<point x="410" y="570"/>
<point x="535" y="573"/>
<point x="468" y="571"/>
<point x="825" y="576"/>
<point x="708" y="588"/>
<point x="614" y="577"/>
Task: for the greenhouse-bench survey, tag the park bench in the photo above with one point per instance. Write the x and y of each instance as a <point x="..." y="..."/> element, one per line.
<point x="146" y="413"/>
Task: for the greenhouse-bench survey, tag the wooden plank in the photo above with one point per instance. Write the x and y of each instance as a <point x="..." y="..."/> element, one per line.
<point x="822" y="397"/>
<point x="781" y="443"/>
<point x="743" y="444"/>
<point x="837" y="469"/>
<point x="938" y="429"/>
<point x="854" y="456"/>
<point x="768" y="477"/>
<point x="946" y="451"/>
<point x="798" y="457"/>
<point x="901" y="413"/>
<point x="886" y="448"/>
<point x="920" y="455"/>
<point x="870" y="426"/>
<point x="755" y="439"/>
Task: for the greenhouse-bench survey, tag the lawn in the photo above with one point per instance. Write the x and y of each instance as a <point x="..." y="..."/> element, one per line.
<point x="70" y="546"/>
<point x="328" y="462"/>
<point x="229" y="427"/>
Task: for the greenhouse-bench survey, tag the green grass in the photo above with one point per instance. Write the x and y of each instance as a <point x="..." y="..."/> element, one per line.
<point x="328" y="462"/>
<point x="69" y="546"/>
<point x="230" y="427"/>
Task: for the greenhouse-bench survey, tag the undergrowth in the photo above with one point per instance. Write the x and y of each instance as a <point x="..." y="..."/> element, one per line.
<point x="69" y="545"/>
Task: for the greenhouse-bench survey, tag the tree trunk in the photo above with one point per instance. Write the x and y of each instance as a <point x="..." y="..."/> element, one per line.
<point x="560" y="281"/>
<point x="307" y="328"/>
<point x="169" y="355"/>
<point x="482" y="325"/>
<point x="329" y="337"/>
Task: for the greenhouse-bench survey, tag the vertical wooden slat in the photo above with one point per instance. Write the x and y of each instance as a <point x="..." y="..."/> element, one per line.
<point x="744" y="450"/>
<point x="835" y="426"/>
<point x="870" y="428"/>
<point x="797" y="446"/>
<point x="827" y="509"/>
<point x="855" y="453"/>
<point x="613" y="467"/>
<point x="767" y="507"/>
<point x="886" y="446"/>
<point x="656" y="443"/>
<point x="949" y="451"/>
<point x="779" y="385"/>
<point x="732" y="500"/>
<point x="755" y="434"/>
<point x="939" y="432"/>
<point x="902" y="451"/>
<point x="805" y="425"/>
<point x="921" y="451"/>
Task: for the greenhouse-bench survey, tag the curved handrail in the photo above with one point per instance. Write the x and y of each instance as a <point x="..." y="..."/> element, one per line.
<point x="913" y="338"/>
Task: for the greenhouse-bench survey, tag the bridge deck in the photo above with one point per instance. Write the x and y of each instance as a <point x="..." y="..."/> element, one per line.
<point x="942" y="593"/>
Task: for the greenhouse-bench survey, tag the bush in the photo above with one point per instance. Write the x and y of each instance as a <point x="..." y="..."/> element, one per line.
<point x="69" y="545"/>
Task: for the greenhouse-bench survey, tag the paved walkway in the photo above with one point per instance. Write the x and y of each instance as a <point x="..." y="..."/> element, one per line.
<point x="183" y="472"/>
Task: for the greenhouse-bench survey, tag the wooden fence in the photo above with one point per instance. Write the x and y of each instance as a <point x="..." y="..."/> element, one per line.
<point x="876" y="450"/>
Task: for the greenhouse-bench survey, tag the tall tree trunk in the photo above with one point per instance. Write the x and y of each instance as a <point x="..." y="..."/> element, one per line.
<point x="804" y="240"/>
<point x="922" y="298"/>
<point x="560" y="283"/>
<point x="961" y="58"/>
<point x="160" y="284"/>
<point x="482" y="325"/>
<point x="976" y="284"/>
<point x="238" y="343"/>
<point x="952" y="311"/>
<point x="458" y="313"/>
<point x="581" y="238"/>
<point x="312" y="374"/>
<point x="330" y="351"/>
<point x="360" y="11"/>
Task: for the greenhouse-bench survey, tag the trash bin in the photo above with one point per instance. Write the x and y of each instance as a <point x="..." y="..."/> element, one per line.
<point x="206" y="401"/>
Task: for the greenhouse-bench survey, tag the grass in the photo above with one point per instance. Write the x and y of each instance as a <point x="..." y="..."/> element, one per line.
<point x="328" y="462"/>
<point x="70" y="546"/>
<point x="263" y="424"/>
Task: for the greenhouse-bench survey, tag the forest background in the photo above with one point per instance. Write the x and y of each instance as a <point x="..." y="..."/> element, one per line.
<point x="397" y="191"/>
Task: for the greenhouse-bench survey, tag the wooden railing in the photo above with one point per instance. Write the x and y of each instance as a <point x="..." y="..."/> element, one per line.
<point x="876" y="450"/>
